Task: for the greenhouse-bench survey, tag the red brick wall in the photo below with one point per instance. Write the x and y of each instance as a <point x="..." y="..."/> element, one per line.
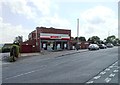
<point x="53" y="30"/>
<point x="28" y="46"/>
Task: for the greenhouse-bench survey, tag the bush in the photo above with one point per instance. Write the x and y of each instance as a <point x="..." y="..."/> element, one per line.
<point x="14" y="53"/>
<point x="17" y="51"/>
<point x="4" y="49"/>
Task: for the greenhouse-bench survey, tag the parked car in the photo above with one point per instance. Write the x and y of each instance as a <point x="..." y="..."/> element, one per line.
<point x="117" y="44"/>
<point x="93" y="47"/>
<point x="102" y="46"/>
<point x="109" y="45"/>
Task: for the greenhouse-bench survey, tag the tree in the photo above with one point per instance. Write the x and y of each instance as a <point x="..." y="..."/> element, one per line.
<point x="76" y="38"/>
<point x="82" y="38"/>
<point x="111" y="39"/>
<point x="94" y="39"/>
<point x="18" y="39"/>
<point x="116" y="41"/>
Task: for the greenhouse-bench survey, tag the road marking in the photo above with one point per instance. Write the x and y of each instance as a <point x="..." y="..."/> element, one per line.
<point x="113" y="64"/>
<point x="22" y="74"/>
<point x="116" y="62"/>
<point x="115" y="71"/>
<point x="107" y="69"/>
<point x="97" y="77"/>
<point x="111" y="67"/>
<point x="90" y="82"/>
<point x="107" y="80"/>
<point x="103" y="73"/>
<point x="111" y="75"/>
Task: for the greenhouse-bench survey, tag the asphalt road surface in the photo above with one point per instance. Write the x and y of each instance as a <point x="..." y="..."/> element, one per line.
<point x="99" y="66"/>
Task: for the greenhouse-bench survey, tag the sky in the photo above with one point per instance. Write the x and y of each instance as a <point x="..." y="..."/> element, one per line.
<point x="20" y="17"/>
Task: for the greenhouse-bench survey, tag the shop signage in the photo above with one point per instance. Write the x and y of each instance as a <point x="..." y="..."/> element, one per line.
<point x="55" y="37"/>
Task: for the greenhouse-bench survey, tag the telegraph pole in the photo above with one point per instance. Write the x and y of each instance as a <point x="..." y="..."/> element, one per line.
<point x="78" y="30"/>
<point x="108" y="33"/>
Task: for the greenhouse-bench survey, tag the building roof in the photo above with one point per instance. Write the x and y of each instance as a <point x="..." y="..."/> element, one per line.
<point x="52" y="28"/>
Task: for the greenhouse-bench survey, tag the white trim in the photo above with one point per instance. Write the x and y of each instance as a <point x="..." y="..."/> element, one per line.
<point x="60" y="36"/>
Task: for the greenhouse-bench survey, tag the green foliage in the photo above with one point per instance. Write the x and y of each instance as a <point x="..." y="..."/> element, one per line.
<point x="111" y="39"/>
<point x="94" y="39"/>
<point x="80" y="38"/>
<point x="17" y="49"/>
<point x="14" y="53"/>
<point x="18" y="39"/>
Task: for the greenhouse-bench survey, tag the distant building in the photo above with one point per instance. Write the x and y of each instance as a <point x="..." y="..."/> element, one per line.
<point x="50" y="39"/>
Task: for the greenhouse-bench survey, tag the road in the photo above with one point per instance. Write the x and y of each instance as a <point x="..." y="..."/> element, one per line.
<point x="85" y="67"/>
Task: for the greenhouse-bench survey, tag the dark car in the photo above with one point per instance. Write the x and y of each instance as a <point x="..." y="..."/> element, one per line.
<point x="102" y="46"/>
<point x="109" y="45"/>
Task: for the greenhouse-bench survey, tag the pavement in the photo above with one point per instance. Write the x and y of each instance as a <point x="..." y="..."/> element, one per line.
<point x="56" y="53"/>
<point x="43" y="55"/>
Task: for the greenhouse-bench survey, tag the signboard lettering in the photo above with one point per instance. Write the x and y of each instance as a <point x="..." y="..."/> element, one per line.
<point x="55" y="37"/>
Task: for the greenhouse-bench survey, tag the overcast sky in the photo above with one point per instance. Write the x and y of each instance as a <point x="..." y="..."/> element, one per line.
<point x="20" y="17"/>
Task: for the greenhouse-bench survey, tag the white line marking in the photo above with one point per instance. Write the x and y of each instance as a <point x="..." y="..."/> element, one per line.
<point x="107" y="80"/>
<point x="103" y="73"/>
<point x="113" y="64"/>
<point x="116" y="62"/>
<point x="111" y="75"/>
<point x="97" y="77"/>
<point x="111" y="67"/>
<point x="115" y="71"/>
<point x="90" y="82"/>
<point x="22" y="74"/>
<point x="107" y="69"/>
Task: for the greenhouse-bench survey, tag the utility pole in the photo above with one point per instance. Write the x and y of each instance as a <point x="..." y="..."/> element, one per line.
<point x="78" y="30"/>
<point x="108" y="33"/>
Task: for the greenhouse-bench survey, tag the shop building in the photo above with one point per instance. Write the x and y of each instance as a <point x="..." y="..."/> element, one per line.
<point x="49" y="39"/>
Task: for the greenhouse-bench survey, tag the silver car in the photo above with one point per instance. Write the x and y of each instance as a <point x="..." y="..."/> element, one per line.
<point x="93" y="47"/>
<point x="109" y="45"/>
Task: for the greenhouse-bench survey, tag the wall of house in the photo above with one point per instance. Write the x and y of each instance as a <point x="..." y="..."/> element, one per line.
<point x="28" y="46"/>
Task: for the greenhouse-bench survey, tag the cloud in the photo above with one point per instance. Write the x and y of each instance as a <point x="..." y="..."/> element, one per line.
<point x="42" y="5"/>
<point x="40" y="11"/>
<point x="8" y="32"/>
<point x="97" y="15"/>
<point x="87" y="1"/>
<point x="31" y="10"/>
<point x="54" y="21"/>
<point x="99" y="21"/>
<point x="96" y="21"/>
<point x="20" y="7"/>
